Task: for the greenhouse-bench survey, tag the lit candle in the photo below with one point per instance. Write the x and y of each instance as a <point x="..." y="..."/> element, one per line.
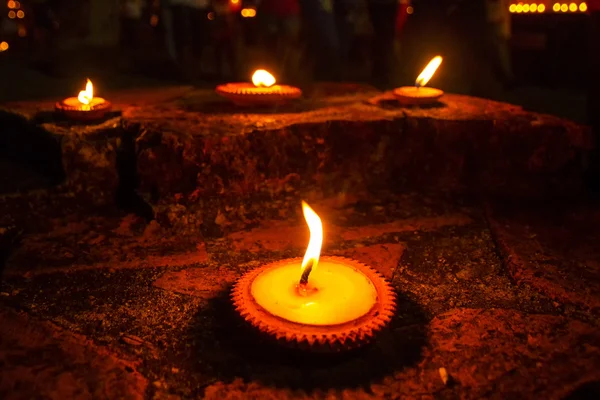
<point x="262" y="91"/>
<point x="263" y="78"/>
<point x="419" y="94"/>
<point x="322" y="300"/>
<point x="85" y="106"/>
<point x="337" y="294"/>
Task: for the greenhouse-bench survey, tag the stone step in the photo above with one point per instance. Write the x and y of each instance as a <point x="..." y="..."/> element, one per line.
<point x="339" y="138"/>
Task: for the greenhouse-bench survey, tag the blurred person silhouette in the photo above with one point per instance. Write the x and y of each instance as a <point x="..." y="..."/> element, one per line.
<point x="190" y="34"/>
<point x="498" y="39"/>
<point x="470" y="29"/>
<point x="383" y="15"/>
<point x="330" y="27"/>
<point x="130" y="34"/>
<point x="423" y="34"/>
<point x="166" y="17"/>
<point x="281" y="24"/>
<point x="227" y="38"/>
<point x="46" y="26"/>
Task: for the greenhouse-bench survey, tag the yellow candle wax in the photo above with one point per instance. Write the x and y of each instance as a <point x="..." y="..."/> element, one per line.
<point x="413" y="91"/>
<point x="338" y="293"/>
<point x="74" y="102"/>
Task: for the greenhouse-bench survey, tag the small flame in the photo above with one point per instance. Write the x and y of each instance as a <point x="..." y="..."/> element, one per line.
<point x="262" y="78"/>
<point x="316" y="237"/>
<point x="85" y="96"/>
<point x="428" y="72"/>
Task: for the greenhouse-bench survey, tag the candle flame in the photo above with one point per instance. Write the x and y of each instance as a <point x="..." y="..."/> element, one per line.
<point x="262" y="78"/>
<point x="428" y="72"/>
<point x="85" y="96"/>
<point x="313" y="251"/>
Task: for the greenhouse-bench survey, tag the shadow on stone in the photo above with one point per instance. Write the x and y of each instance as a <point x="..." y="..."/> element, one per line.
<point x="394" y="104"/>
<point x="31" y="145"/>
<point x="227" y="107"/>
<point x="587" y="391"/>
<point x="230" y="349"/>
<point x="9" y="240"/>
<point x="54" y="117"/>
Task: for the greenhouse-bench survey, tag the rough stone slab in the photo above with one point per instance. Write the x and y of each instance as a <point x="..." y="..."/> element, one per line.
<point x="190" y="146"/>
<point x="51" y="238"/>
<point x="383" y="257"/>
<point x="198" y="145"/>
<point x="458" y="309"/>
<point x="40" y="360"/>
<point x="487" y="353"/>
<point x="201" y="282"/>
<point x="81" y="242"/>
<point x="85" y="157"/>
<point x="554" y="249"/>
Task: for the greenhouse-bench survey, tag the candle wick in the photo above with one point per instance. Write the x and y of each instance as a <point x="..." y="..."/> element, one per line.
<point x="306" y="273"/>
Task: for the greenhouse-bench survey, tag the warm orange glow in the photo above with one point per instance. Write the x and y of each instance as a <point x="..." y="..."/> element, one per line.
<point x="428" y="72"/>
<point x="20" y="14"/>
<point x="248" y="12"/>
<point x="3" y="46"/>
<point x="85" y="96"/>
<point x="573" y="7"/>
<point x="533" y="7"/>
<point x="211" y="15"/>
<point x="583" y="7"/>
<point x="12" y="14"/>
<point x="556" y="7"/>
<point x="519" y="8"/>
<point x="11" y="4"/>
<point x="154" y="20"/>
<point x="262" y="78"/>
<point x="235" y="1"/>
<point x="22" y="32"/>
<point x="525" y="8"/>
<point x="17" y="4"/>
<point x="313" y="251"/>
<point x="564" y="8"/>
<point x="541" y="8"/>
<point x="410" y="10"/>
<point x="512" y="8"/>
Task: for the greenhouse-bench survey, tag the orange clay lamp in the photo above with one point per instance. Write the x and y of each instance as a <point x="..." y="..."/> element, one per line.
<point x="261" y="92"/>
<point x="419" y="94"/>
<point x="84" y="107"/>
<point x="327" y="304"/>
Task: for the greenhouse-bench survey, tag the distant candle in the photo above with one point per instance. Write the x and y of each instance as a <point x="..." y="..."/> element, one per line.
<point x="263" y="91"/>
<point x="85" y="106"/>
<point x="74" y="102"/>
<point x="418" y="94"/>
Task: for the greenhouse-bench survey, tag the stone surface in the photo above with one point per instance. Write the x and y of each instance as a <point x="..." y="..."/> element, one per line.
<point x="124" y="241"/>
<point x="184" y="146"/>
<point x="87" y="158"/>
<point x="166" y="310"/>
<point x="554" y="249"/>
<point x="201" y="282"/>
<point x="40" y="360"/>
<point x="503" y="295"/>
<point x="383" y="257"/>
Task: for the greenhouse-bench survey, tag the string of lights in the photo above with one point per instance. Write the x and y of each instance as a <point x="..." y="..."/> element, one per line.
<point x="520" y="7"/>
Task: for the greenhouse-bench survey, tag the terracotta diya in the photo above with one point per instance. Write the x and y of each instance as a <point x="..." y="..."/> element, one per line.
<point x="327" y="304"/>
<point x="419" y="94"/>
<point x="261" y="92"/>
<point x="84" y="107"/>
